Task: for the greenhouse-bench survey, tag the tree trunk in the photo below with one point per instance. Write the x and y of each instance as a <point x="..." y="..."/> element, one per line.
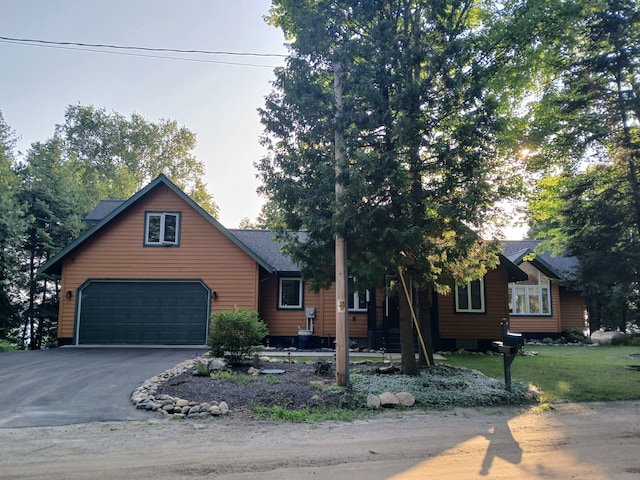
<point x="423" y="312"/>
<point x="407" y="347"/>
<point x="31" y="309"/>
<point x="41" y="319"/>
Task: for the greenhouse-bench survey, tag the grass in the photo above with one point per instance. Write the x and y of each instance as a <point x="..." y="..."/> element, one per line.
<point x="566" y="373"/>
<point x="306" y="415"/>
<point x="560" y="372"/>
<point x="241" y="378"/>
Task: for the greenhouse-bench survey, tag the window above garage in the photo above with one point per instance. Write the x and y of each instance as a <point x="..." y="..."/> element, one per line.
<point x="162" y="228"/>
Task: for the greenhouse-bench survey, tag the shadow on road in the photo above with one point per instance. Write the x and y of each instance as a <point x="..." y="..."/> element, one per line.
<point x="501" y="445"/>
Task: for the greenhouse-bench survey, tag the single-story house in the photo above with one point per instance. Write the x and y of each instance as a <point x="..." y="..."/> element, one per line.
<point x="153" y="268"/>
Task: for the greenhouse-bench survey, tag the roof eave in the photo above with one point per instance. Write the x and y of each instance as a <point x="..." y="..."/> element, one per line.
<point x="515" y="273"/>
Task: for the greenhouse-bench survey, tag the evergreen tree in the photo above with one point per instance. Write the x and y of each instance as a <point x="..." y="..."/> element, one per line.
<point x="54" y="199"/>
<point x="10" y="230"/>
<point x="425" y="132"/>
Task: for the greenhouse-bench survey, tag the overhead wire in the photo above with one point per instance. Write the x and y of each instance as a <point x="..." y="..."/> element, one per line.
<point x="121" y="50"/>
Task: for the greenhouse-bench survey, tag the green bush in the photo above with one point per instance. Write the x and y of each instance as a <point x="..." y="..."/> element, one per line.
<point x="7" y="346"/>
<point x="235" y="333"/>
<point x="574" y="335"/>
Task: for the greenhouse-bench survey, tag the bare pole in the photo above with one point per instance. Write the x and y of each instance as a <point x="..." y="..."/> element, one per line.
<point x="342" y="317"/>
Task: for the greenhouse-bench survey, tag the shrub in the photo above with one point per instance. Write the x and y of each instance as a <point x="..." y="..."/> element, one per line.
<point x="202" y="367"/>
<point x="7" y="346"/>
<point x="234" y="334"/>
<point x="575" y="335"/>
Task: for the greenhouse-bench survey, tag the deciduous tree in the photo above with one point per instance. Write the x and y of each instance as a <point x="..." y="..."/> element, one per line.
<point x="122" y="154"/>
<point x="587" y="132"/>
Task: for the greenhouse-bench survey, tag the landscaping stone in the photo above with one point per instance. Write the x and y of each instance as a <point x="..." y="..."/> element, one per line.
<point x="406" y="399"/>
<point x="388" y="400"/>
<point x="608" y="338"/>
<point x="143" y="397"/>
<point x="373" y="401"/>
<point x="216" y="364"/>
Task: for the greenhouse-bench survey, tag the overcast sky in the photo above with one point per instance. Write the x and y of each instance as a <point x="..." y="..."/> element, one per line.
<point x="217" y="101"/>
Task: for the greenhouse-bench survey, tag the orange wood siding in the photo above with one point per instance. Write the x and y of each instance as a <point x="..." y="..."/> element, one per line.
<point x="285" y="323"/>
<point x="204" y="253"/>
<point x="477" y="325"/>
<point x="572" y="310"/>
<point x="357" y="320"/>
<point x="540" y="323"/>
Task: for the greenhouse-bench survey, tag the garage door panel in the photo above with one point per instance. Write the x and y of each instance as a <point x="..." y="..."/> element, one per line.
<point x="164" y="313"/>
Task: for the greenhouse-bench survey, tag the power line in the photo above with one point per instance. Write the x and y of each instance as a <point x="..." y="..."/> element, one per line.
<point x="148" y="49"/>
<point x="130" y="54"/>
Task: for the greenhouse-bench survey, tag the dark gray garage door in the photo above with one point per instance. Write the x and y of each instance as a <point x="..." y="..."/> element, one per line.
<point x="154" y="313"/>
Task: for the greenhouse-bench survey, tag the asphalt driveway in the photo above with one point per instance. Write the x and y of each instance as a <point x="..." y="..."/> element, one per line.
<point x="70" y="385"/>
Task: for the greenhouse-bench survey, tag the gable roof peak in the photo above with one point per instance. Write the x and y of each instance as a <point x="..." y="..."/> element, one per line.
<point x="54" y="265"/>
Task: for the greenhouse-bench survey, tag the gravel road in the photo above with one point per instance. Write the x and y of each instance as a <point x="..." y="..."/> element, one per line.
<point x="583" y="441"/>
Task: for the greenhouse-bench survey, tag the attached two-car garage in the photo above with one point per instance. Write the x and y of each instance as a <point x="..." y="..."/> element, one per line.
<point x="143" y="312"/>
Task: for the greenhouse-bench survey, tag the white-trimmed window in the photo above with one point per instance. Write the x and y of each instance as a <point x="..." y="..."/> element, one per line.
<point x="470" y="296"/>
<point x="162" y="228"/>
<point x="290" y="293"/>
<point x="532" y="296"/>
<point x="358" y="298"/>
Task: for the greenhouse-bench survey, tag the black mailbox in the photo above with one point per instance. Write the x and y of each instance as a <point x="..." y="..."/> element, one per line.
<point x="513" y="340"/>
<point x="508" y="347"/>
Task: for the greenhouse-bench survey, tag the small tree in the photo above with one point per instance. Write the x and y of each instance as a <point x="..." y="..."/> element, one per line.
<point x="235" y="333"/>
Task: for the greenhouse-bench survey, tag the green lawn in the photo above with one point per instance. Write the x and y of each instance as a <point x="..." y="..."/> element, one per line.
<point x="566" y="372"/>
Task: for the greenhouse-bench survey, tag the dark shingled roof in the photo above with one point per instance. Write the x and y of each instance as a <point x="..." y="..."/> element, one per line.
<point x="264" y="244"/>
<point x="560" y="265"/>
<point x="104" y="208"/>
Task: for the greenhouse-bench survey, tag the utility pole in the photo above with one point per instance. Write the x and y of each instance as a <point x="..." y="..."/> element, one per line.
<point x="342" y="316"/>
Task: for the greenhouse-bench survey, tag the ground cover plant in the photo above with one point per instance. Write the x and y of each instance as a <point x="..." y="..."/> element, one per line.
<point x="442" y="386"/>
<point x="567" y="372"/>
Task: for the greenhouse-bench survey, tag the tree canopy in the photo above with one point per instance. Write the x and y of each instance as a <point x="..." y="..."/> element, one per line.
<point x="428" y="137"/>
<point x="585" y="138"/>
<point x="121" y="155"/>
<point x="46" y="195"/>
<point x="425" y="135"/>
<point x="10" y="228"/>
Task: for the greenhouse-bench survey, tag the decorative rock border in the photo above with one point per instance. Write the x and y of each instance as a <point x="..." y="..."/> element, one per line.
<point x="390" y="400"/>
<point x="144" y="397"/>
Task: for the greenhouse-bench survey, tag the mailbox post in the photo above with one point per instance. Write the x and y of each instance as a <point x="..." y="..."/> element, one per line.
<point x="509" y="346"/>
